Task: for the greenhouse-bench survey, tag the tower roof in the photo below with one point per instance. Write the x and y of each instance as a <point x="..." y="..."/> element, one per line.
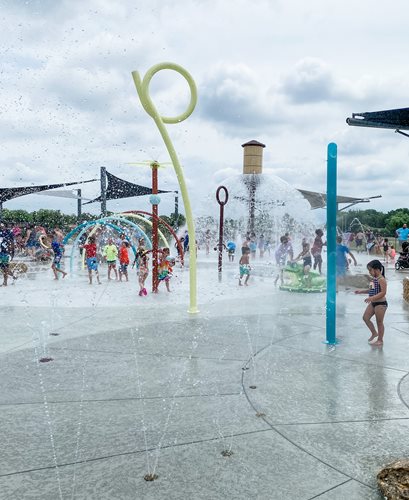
<point x="253" y="143"/>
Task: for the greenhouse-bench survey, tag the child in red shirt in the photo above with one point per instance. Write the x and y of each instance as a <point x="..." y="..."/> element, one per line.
<point x="123" y="260"/>
<point x="91" y="258"/>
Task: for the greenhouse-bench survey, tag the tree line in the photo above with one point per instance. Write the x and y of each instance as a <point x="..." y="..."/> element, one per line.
<point x="54" y="218"/>
<point x="379" y="222"/>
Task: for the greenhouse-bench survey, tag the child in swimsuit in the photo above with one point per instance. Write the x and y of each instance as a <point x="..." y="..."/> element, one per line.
<point x="245" y="265"/>
<point x="165" y="268"/>
<point x="377" y="303"/>
<point x="305" y="255"/>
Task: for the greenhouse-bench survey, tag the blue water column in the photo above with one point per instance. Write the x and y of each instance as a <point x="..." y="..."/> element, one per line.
<point x="331" y="243"/>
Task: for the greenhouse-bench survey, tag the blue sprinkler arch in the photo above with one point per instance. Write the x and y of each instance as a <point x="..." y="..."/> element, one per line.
<point x="99" y="221"/>
<point x="84" y="226"/>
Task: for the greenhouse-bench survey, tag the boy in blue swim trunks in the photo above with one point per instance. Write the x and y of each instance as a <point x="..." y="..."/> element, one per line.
<point x="245" y="265"/>
<point x="91" y="258"/>
<point x="58" y="250"/>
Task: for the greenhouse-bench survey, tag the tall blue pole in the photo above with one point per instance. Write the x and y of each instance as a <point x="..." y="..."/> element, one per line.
<point x="331" y="243"/>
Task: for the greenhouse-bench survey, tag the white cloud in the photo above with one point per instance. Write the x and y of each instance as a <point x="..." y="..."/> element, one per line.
<point x="284" y="73"/>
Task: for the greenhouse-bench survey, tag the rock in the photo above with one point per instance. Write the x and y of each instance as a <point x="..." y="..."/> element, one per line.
<point x="355" y="280"/>
<point x="393" y="480"/>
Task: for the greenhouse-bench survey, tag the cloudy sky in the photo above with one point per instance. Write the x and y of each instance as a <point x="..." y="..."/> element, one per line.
<point x="287" y="73"/>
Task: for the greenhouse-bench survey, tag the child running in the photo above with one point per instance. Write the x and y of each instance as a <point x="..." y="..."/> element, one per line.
<point x="91" y="258"/>
<point x="244" y="265"/>
<point x="305" y="255"/>
<point x="58" y="250"/>
<point x="376" y="301"/>
<point x="385" y="249"/>
<point x="316" y="250"/>
<point x="165" y="268"/>
<point x="110" y="252"/>
<point x="285" y="248"/>
<point x="141" y="261"/>
<point x="231" y="249"/>
<point x="123" y="260"/>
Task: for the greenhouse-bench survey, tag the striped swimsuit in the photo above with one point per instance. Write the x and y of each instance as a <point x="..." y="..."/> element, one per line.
<point x="376" y="288"/>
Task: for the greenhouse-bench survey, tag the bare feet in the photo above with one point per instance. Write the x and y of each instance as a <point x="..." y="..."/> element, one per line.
<point x="372" y="337"/>
<point x="64" y="275"/>
<point x="377" y="343"/>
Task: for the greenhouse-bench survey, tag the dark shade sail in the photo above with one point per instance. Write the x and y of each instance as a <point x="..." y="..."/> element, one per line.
<point x="10" y="193"/>
<point x="319" y="200"/>
<point x="391" y="118"/>
<point x="118" y="188"/>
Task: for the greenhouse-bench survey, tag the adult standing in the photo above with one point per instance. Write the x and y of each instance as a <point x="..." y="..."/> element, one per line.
<point x="342" y="263"/>
<point x="402" y="234"/>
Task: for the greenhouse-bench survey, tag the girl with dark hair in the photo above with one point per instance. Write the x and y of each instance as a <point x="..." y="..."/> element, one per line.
<point x="376" y="301"/>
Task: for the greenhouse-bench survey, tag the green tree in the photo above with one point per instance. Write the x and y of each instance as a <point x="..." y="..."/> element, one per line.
<point x="395" y="219"/>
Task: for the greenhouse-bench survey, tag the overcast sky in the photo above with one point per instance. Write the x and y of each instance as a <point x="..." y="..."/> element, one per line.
<point x="286" y="73"/>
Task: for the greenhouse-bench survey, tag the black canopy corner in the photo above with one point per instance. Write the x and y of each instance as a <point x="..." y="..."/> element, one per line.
<point x="118" y="188"/>
<point x="391" y="118"/>
<point x="319" y="200"/>
<point x="10" y="193"/>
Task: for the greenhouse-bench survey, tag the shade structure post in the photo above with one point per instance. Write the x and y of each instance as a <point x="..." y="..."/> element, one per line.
<point x="103" y="191"/>
<point x="79" y="204"/>
<point x="331" y="244"/>
<point x="176" y="210"/>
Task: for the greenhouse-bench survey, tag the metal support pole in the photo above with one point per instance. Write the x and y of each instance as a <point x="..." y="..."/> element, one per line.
<point x="331" y="243"/>
<point x="176" y="210"/>
<point x="103" y="191"/>
<point x="79" y="205"/>
<point x="221" y="224"/>
<point x="252" y="205"/>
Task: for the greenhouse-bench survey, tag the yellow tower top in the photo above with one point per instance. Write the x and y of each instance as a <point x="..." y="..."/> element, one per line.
<point x="253" y="157"/>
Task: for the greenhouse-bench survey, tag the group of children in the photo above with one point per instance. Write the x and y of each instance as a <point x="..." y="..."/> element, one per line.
<point x="111" y="254"/>
<point x="376" y="300"/>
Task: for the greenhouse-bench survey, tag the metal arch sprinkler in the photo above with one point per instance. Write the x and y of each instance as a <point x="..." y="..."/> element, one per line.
<point x="142" y="87"/>
<point x="122" y="217"/>
<point x="139" y="213"/>
<point x="98" y="221"/>
<point x="123" y="220"/>
<point x="89" y="224"/>
<point x="105" y="221"/>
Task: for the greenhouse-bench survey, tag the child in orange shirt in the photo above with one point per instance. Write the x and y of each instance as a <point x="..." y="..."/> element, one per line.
<point x="123" y="260"/>
<point x="165" y="268"/>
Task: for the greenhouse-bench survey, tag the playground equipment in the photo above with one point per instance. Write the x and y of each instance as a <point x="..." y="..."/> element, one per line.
<point x="106" y="221"/>
<point x="138" y="213"/>
<point x="142" y="87"/>
<point x="122" y="218"/>
<point x="296" y="281"/>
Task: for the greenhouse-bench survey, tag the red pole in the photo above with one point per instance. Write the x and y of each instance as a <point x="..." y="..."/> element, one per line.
<point x="155" y="281"/>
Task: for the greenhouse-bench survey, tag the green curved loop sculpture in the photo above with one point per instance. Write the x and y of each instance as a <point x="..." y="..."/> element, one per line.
<point x="142" y="87"/>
